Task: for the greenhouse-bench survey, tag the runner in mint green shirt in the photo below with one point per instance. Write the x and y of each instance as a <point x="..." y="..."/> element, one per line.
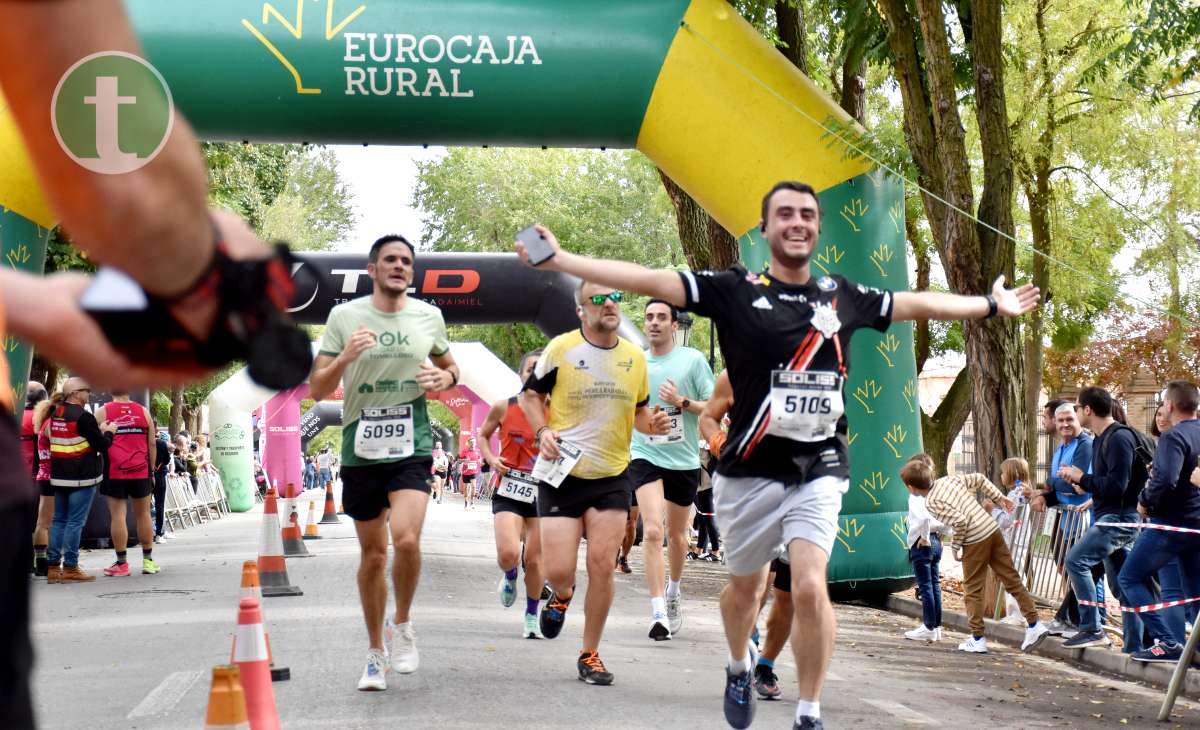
<point x="666" y="469"/>
<point x="377" y="347"/>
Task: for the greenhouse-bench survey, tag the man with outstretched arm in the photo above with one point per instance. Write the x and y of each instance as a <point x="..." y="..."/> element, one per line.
<point x="786" y="338"/>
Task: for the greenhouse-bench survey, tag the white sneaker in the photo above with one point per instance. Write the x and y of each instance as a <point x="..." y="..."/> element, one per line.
<point x="937" y="634"/>
<point x="374" y="676"/>
<point x="973" y="645"/>
<point x="402" y="647"/>
<point x="675" y="613"/>
<point x="1034" y="635"/>
<point x="659" y="630"/>
<point x="921" y="633"/>
<point x="169" y="536"/>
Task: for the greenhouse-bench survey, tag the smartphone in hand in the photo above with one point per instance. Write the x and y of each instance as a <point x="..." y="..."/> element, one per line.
<point x="538" y="248"/>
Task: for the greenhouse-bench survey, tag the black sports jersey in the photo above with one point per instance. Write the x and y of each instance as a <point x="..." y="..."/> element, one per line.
<point x="764" y="325"/>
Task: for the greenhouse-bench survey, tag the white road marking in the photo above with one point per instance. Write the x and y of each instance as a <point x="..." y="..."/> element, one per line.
<point x="905" y="714"/>
<point x="166" y="695"/>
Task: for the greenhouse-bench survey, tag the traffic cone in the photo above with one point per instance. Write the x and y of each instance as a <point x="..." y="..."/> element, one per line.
<point x="272" y="567"/>
<point x="330" y="516"/>
<point x="251" y="589"/>
<point x="254" y="663"/>
<point x="293" y="539"/>
<point x="310" y="530"/>
<point x="226" y="701"/>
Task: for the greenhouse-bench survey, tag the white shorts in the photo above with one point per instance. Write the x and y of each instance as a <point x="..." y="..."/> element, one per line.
<point x="756" y="516"/>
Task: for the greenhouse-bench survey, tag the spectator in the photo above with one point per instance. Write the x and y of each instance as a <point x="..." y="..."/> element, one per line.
<point x="1168" y="499"/>
<point x="1161" y="424"/>
<point x="1014" y="476"/>
<point x="310" y="473"/>
<point x="324" y="474"/>
<point x="954" y="501"/>
<point x="192" y="463"/>
<point x="1170" y="578"/>
<point x="708" y="538"/>
<point x="925" y="554"/>
<point x="1074" y="449"/>
<point x="1114" y="482"/>
<point x="77" y="445"/>
<point x="40" y="424"/>
<point x="162" y="464"/>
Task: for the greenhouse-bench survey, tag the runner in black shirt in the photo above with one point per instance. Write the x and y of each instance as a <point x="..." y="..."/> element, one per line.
<point x="786" y="339"/>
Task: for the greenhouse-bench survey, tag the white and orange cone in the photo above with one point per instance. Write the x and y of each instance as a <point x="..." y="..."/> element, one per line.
<point x="310" y="530"/>
<point x="330" y="517"/>
<point x="254" y="662"/>
<point x="226" y="701"/>
<point x="272" y="567"/>
<point x="251" y="589"/>
<point x="293" y="539"/>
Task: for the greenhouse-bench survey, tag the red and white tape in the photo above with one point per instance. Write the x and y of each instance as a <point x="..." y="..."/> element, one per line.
<point x="1149" y="526"/>
<point x="1143" y="609"/>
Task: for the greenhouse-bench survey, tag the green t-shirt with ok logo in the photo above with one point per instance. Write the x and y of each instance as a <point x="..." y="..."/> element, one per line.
<point x="384" y="376"/>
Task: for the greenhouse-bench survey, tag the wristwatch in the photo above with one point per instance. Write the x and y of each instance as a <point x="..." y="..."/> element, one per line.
<point x="685" y="404"/>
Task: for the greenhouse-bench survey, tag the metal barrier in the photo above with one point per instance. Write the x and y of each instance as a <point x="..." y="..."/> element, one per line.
<point x="1039" y="542"/>
<point x="189" y="507"/>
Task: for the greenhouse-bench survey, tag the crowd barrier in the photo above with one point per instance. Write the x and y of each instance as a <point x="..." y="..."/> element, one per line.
<point x="187" y="507"/>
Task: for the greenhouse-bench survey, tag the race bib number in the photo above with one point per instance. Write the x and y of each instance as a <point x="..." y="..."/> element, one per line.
<point x="384" y="433"/>
<point x="805" y="406"/>
<point x="675" y="435"/>
<point x="518" y="485"/>
<point x="471" y="465"/>
<point x="553" y="471"/>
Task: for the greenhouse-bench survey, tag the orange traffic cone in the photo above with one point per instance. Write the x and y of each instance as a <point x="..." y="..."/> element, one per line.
<point x="293" y="539"/>
<point x="272" y="567"/>
<point x="251" y="589"/>
<point x="226" y="701"/>
<point x="252" y="660"/>
<point x="330" y="516"/>
<point x="310" y="530"/>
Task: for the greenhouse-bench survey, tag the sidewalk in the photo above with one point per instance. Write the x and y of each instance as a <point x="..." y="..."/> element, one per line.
<point x="1111" y="661"/>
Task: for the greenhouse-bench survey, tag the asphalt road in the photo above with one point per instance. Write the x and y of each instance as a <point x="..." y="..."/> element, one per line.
<point x="137" y="652"/>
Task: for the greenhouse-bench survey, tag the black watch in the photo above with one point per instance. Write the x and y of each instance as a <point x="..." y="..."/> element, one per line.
<point x="685" y="404"/>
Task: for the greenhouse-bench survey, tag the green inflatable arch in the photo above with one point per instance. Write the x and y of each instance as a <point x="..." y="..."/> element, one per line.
<point x="687" y="82"/>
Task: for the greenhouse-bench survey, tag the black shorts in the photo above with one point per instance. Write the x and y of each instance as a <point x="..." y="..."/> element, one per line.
<point x="365" y="489"/>
<point x="127" y="488"/>
<point x="528" y="510"/>
<point x="440" y="474"/>
<point x="467" y="478"/>
<point x="679" y="487"/>
<point x="575" y="496"/>
<point x="44" y="488"/>
<point x="783" y="575"/>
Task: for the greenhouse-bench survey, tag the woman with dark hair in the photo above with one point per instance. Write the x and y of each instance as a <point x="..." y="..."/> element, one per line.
<point x="37" y="408"/>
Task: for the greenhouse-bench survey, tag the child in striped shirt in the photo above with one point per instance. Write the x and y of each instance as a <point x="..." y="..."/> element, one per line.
<point x="977" y="541"/>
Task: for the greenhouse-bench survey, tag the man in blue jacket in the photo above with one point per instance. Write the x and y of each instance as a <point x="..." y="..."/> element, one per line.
<point x="1114" y="484"/>
<point x="1168" y="499"/>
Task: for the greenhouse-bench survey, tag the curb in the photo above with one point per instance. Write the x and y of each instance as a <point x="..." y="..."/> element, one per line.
<point x="1107" y="660"/>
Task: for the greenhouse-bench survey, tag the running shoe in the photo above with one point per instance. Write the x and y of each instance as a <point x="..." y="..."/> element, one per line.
<point x="739" y="699"/>
<point x="766" y="683"/>
<point x="623" y="565"/>
<point x="1087" y="638"/>
<point x="1034" y="635"/>
<point x="531" y="627"/>
<point x="401" y="647"/>
<point x="546" y="591"/>
<point x="659" y="631"/>
<point x="117" y="570"/>
<point x="374" y="676"/>
<point x="675" y="612"/>
<point x="507" y="588"/>
<point x="1159" y="652"/>
<point x="149" y="567"/>
<point x="809" y="723"/>
<point x="1061" y="628"/>
<point x="591" y="669"/>
<point x="553" y="616"/>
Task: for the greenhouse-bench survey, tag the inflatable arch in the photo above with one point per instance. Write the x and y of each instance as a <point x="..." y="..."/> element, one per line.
<point x="688" y="82"/>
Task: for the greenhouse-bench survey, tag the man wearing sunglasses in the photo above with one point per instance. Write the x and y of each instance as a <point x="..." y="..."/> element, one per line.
<point x="599" y="393"/>
<point x="786" y="338"/>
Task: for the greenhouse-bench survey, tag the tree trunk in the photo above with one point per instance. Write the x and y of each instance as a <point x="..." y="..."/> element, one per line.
<point x="707" y="246"/>
<point x="920" y="327"/>
<point x="940" y="429"/>
<point x="44" y="371"/>
<point x="854" y="84"/>
<point x="176" y="411"/>
<point x="789" y="22"/>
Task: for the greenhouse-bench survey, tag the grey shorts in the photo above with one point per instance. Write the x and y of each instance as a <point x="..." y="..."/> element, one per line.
<point x="758" y="515"/>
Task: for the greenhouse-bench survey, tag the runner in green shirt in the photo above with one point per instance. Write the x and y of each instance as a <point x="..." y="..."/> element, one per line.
<point x="377" y="346"/>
